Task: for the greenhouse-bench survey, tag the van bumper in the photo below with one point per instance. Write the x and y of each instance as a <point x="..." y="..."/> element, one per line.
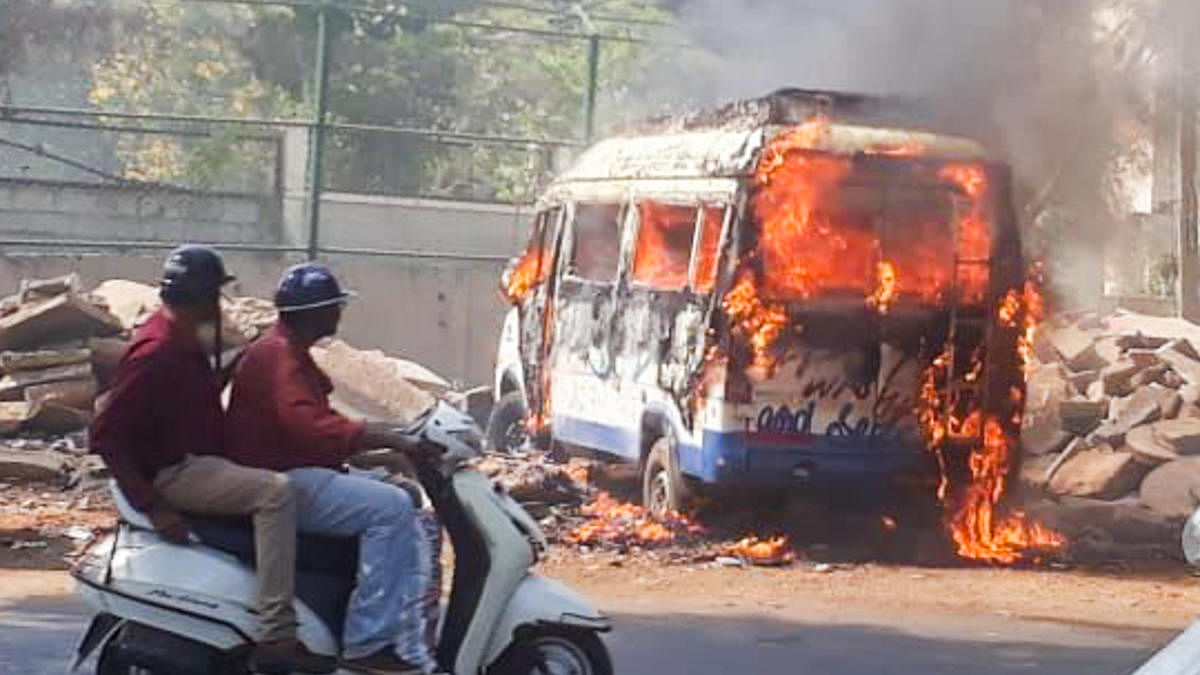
<point x="807" y="463"/>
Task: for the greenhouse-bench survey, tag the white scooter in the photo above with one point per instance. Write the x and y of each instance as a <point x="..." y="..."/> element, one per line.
<point x="1182" y="655"/>
<point x="177" y="610"/>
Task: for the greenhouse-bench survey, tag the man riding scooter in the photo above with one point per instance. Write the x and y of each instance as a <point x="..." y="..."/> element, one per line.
<point x="280" y="419"/>
<point x="160" y="431"/>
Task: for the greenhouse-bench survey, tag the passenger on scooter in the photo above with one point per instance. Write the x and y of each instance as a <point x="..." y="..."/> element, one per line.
<point x="280" y="418"/>
<point x="160" y="431"/>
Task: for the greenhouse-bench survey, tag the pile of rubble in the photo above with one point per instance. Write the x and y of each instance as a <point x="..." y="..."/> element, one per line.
<point x="54" y="339"/>
<point x="1113" y="414"/>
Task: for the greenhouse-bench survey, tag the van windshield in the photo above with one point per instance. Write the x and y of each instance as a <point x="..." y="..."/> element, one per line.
<point x="884" y="228"/>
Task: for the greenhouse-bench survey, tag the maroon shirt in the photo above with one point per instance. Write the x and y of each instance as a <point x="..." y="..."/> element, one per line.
<point x="279" y="414"/>
<point x="164" y="404"/>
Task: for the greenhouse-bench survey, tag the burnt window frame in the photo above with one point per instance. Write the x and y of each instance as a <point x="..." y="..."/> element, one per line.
<point x="700" y="208"/>
<point x="568" y="270"/>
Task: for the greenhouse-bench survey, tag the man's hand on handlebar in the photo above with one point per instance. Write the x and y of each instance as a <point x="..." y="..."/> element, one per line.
<point x="168" y="523"/>
<point x="384" y="435"/>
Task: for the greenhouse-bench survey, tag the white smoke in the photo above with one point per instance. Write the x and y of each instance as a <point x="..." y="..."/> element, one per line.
<point x="1061" y="89"/>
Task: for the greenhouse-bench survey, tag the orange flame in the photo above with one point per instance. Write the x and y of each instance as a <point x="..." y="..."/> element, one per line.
<point x="979" y="531"/>
<point x="763" y="552"/>
<point x="611" y="521"/>
<point x="759" y="324"/>
<point x="525" y="275"/>
<point x="664" y="245"/>
<point x="886" y="292"/>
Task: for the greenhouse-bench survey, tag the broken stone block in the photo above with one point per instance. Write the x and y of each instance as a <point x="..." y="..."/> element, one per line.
<point x="1173" y="490"/>
<point x="1073" y="448"/>
<point x="58" y="319"/>
<point x="1143" y="358"/>
<point x="1182" y="434"/>
<point x="1109" y="432"/>
<point x="13" y="415"/>
<point x="13" y="385"/>
<point x="1140" y="341"/>
<point x="11" y="362"/>
<point x="1185" y="366"/>
<point x="1185" y="347"/>
<point x="1148" y="447"/>
<point x="1151" y="375"/>
<point x="1074" y="346"/>
<point x="1140" y="408"/>
<point x="1118" y="377"/>
<point x="1080" y="416"/>
<point x="129" y="301"/>
<point x="1082" y="381"/>
<point x="31" y="465"/>
<point x="1170" y="403"/>
<point x="1099" y="472"/>
<point x="79" y="394"/>
<point x="1043" y="434"/>
<point x="52" y="418"/>
<point x="1172" y="380"/>
<point x="1047" y="386"/>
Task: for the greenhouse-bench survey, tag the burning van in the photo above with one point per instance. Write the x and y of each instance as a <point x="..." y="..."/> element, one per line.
<point x="786" y="293"/>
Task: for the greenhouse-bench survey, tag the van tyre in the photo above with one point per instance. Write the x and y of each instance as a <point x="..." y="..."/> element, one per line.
<point x="663" y="487"/>
<point x="554" y="649"/>
<point x="506" y="430"/>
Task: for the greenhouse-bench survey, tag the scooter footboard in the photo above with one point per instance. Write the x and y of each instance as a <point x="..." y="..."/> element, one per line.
<point x="541" y="601"/>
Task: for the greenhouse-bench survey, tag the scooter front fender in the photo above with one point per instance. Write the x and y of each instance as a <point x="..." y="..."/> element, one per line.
<point x="541" y="601"/>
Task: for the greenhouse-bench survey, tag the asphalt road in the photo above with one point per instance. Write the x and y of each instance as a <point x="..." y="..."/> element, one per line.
<point x="38" y="636"/>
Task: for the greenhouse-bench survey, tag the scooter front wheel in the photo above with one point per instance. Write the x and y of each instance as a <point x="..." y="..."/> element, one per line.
<point x="554" y="651"/>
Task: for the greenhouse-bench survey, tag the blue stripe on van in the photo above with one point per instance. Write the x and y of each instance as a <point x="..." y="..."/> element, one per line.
<point x="740" y="459"/>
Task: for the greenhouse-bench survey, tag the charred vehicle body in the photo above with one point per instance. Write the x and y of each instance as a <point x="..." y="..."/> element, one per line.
<point x="757" y="297"/>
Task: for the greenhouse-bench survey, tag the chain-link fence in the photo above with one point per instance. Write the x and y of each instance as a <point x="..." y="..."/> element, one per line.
<point x="399" y="140"/>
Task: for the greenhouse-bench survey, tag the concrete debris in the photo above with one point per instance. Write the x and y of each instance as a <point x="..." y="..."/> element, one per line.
<point x="370" y="384"/>
<point x="1082" y="416"/>
<point x="532" y="480"/>
<point x="1112" y="416"/>
<point x="1099" y="472"/>
<point x="1148" y="447"/>
<point x="129" y="301"/>
<point x="12" y="362"/>
<point x="1181" y="434"/>
<point x="59" y="319"/>
<point x="27" y="466"/>
<point x="13" y="385"/>
<point x="78" y="394"/>
<point x="1173" y="490"/>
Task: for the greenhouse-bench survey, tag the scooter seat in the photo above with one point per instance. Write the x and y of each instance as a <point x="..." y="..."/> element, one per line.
<point x="335" y="556"/>
<point x="325" y="566"/>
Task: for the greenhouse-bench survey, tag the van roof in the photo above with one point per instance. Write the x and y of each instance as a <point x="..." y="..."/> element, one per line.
<point x="728" y="153"/>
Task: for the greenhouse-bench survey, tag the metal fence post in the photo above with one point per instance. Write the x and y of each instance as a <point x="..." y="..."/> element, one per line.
<point x="316" y="136"/>
<point x="589" y="102"/>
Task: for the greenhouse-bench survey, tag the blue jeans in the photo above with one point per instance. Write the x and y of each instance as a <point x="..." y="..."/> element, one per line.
<point x="385" y="607"/>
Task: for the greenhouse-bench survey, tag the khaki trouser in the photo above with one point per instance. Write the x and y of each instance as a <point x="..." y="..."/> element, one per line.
<point x="211" y="485"/>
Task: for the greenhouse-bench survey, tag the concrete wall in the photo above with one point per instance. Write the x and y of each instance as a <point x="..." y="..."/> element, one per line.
<point x="438" y="305"/>
<point x="67" y="211"/>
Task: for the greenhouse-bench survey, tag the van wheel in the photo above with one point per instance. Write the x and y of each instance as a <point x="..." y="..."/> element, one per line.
<point x="506" y="430"/>
<point x="663" y="486"/>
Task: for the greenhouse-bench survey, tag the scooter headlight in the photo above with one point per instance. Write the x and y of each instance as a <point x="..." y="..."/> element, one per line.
<point x="1191" y="539"/>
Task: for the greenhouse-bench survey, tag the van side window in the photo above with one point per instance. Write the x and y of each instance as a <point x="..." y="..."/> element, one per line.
<point x="707" y="249"/>
<point x="664" y="245"/>
<point x="596" y="254"/>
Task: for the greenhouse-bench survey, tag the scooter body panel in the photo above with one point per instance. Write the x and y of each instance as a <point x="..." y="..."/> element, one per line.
<point x="510" y="555"/>
<point x="541" y="601"/>
<point x="190" y="590"/>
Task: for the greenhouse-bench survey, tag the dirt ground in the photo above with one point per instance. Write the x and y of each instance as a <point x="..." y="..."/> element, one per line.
<point x="1150" y="596"/>
<point x="41" y="527"/>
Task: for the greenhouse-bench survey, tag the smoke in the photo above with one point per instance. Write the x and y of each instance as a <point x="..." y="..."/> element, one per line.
<point x="1061" y="89"/>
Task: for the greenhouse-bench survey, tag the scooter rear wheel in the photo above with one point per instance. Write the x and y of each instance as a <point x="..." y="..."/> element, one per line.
<point x="140" y="650"/>
<point x="555" y="651"/>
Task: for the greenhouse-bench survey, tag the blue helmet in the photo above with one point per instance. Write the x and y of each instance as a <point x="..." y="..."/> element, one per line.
<point x="308" y="286"/>
<point x="193" y="275"/>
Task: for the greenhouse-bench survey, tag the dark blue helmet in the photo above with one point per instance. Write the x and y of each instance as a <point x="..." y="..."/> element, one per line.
<point x="193" y="275"/>
<point x="308" y="286"/>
